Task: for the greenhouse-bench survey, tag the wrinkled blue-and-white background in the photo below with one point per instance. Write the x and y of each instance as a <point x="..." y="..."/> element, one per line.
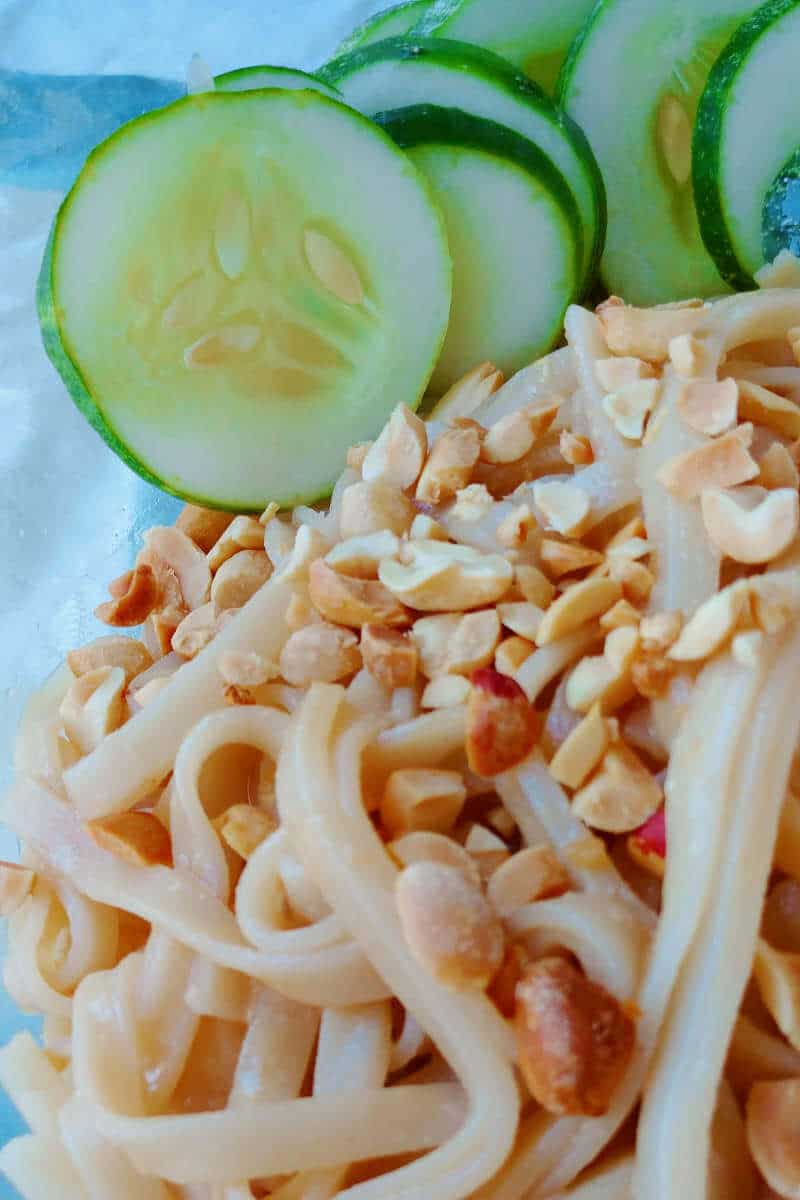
<point x="71" y="514"/>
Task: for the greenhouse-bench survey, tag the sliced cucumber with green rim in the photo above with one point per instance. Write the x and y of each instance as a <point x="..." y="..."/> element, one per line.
<point x="239" y="286"/>
<point x="389" y="22"/>
<point x="246" y="79"/>
<point x="780" y="215"/>
<point x="397" y="72"/>
<point x="532" y="34"/>
<point x="748" y="125"/>
<point x="513" y="230"/>
<point x="633" y="80"/>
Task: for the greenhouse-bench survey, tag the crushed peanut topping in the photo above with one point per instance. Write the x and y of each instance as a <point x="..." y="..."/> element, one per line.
<point x="565" y="507"/>
<point x="575" y="448"/>
<point x="720" y="463"/>
<point x="709" y="407"/>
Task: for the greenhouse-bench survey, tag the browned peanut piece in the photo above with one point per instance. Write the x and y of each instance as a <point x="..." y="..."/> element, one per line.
<point x="582" y="750"/>
<point x="502" y="726"/>
<point x="562" y="558"/>
<point x="574" y="1041"/>
<point x="621" y="796"/>
<point x="773" y="1117"/>
<point x="244" y="828"/>
<point x="239" y="578"/>
<point x="450" y="464"/>
<point x="534" y="873"/>
<point x="511" y="654"/>
<point x="575" y="448"/>
<point x="112" y="651"/>
<point x="777" y="469"/>
<point x="397" y="456"/>
<point x="16" y="883"/>
<point x="135" y="603"/>
<point x="319" y="653"/>
<point x="722" y="462"/>
<point x="370" y="506"/>
<point x="565" y="506"/>
<point x="445" y="691"/>
<point x="750" y="525"/>
<point x="204" y="526"/>
<point x="420" y="798"/>
<point x="487" y="850"/>
<point x="448" y="925"/>
<point x="647" y="332"/>
<point x="356" y="602"/>
<point x="468" y="393"/>
<point x="709" y="406"/>
<point x="534" y="585"/>
<point x="135" y="837"/>
<point x="195" y="631"/>
<point x="389" y="655"/>
<point x="577" y="606"/>
<point x="617" y="372"/>
<point x="423" y="846"/>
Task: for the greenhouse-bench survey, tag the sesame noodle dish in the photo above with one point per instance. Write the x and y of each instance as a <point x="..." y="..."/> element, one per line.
<point x="425" y="824"/>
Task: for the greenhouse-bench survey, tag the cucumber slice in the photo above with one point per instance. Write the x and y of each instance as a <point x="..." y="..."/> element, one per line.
<point x="241" y="285"/>
<point x="535" y="36"/>
<point x="396" y="73"/>
<point x="780" y="216"/>
<point x="747" y="127"/>
<point x="246" y="79"/>
<point x="389" y="22"/>
<point x="514" y="236"/>
<point x="632" y="81"/>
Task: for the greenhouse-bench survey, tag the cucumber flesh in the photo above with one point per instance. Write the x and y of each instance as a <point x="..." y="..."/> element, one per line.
<point x="747" y="129"/>
<point x="534" y="36"/>
<point x="513" y="231"/>
<point x="780" y="217"/>
<point x="246" y="79"/>
<point x="389" y="22"/>
<point x="241" y="285"/>
<point x="397" y="73"/>
<point x="633" y="81"/>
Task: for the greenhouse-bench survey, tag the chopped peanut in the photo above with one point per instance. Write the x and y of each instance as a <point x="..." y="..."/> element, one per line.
<point x="646" y="332"/>
<point x="418" y="798"/>
<point x="422" y="846"/>
<point x="310" y="544"/>
<point x="597" y="680"/>
<point x="630" y="406"/>
<point x="575" y="448"/>
<point x="534" y="585"/>
<point x="93" y="707"/>
<point x="450" y="464"/>
<point x="300" y="612"/>
<point x="137" y="601"/>
<point x="467" y="394"/>
<point x="438" y="576"/>
<point x="204" y="526"/>
<point x="233" y="693"/>
<point x="487" y="850"/>
<point x="269" y="513"/>
<point x="502" y="727"/>
<point x="424" y="528"/>
<point x="135" y="837"/>
<point x="398" y="455"/>
<point x="502" y="821"/>
<point x="709" y="406"/>
<point x="389" y="655"/>
<point x="472" y="503"/>
<point x="356" y="454"/>
<point x="113" y="651"/>
<point x="748" y="524"/>
<point x="348" y="601"/>
<point x="445" y="691"/>
<point x="16" y="883"/>
<point x="763" y="407"/>
<point x="361" y="556"/>
<point x="448" y="925"/>
<point x="513" y="530"/>
<point x="687" y="355"/>
<point x="521" y="617"/>
<point x="574" y="1040"/>
<point x="195" y="631"/>
<point x="580" y="604"/>
<point x="370" y="506"/>
<point x="563" y="558"/>
<point x="245" y="668"/>
<point x="619" y="615"/>
<point x="565" y="507"/>
<point x="630" y="530"/>
<point x="239" y="578"/>
<point x="777" y="469"/>
<point x="509" y="439"/>
<point x="473" y="641"/>
<point x="244" y="828"/>
<point x="243" y="533"/>
<point x="722" y="462"/>
<point x="582" y="750"/>
<point x="652" y="674"/>
<point x="711" y="625"/>
<point x="534" y="873"/>
<point x="431" y="636"/>
<point x="619" y="372"/>
<point x="621" y="796"/>
<point x="635" y="579"/>
<point x="773" y="1113"/>
<point x="660" y="630"/>
<point x="511" y="654"/>
<point x="319" y="653"/>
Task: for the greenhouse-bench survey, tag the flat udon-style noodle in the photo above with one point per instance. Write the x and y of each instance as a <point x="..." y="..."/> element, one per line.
<point x="555" y="374"/>
<point x="332" y="833"/>
<point x="36" y="1087"/>
<point x="105" y="1170"/>
<point x="588" y="344"/>
<point x="714" y="974"/>
<point x="131" y="761"/>
<point x="40" y="1168"/>
<point x="755" y="1054"/>
<point x="176" y="902"/>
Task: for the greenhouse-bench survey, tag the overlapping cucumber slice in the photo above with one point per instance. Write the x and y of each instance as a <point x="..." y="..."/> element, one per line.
<point x="514" y="234"/>
<point x="633" y="81"/>
<point x="535" y="36"/>
<point x="394" y="21"/>
<point x="239" y="286"/>
<point x="401" y="72"/>
<point x="745" y="144"/>
<point x="247" y="79"/>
